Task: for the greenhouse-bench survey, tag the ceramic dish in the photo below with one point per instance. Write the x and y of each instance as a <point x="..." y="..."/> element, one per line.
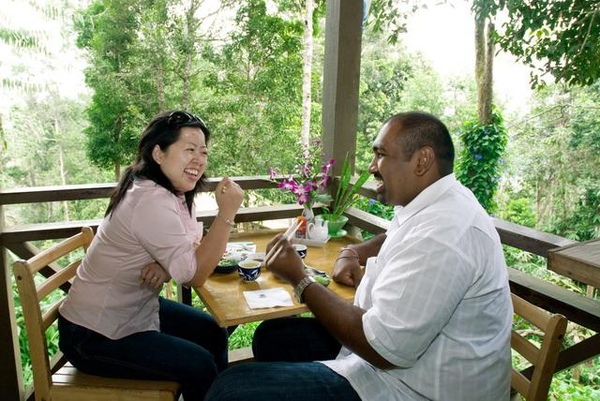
<point x="319" y="275"/>
<point x="339" y="234"/>
<point x="226" y="266"/>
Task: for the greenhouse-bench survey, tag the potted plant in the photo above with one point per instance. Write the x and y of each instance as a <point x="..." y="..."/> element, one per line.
<point x="309" y="182"/>
<point x="345" y="196"/>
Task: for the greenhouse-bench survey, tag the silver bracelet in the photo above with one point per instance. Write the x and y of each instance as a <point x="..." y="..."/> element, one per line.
<point x="226" y="220"/>
<point x="352" y="251"/>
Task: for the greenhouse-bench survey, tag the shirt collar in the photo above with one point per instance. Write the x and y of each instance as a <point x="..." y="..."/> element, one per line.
<point x="428" y="196"/>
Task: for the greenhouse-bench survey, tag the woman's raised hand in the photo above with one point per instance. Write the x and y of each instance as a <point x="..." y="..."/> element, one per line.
<point x="229" y="196"/>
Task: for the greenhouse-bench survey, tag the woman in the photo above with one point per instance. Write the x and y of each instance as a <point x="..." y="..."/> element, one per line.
<point x="113" y="322"/>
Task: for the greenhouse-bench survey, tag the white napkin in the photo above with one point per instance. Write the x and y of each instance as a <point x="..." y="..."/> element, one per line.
<point x="268" y="298"/>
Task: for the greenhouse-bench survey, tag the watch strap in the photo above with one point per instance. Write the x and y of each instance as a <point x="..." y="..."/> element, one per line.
<point x="299" y="289"/>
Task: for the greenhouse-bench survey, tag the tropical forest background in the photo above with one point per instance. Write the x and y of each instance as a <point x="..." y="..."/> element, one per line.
<point x="80" y="78"/>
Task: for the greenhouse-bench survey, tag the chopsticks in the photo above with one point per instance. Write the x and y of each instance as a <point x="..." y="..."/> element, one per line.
<point x="276" y="250"/>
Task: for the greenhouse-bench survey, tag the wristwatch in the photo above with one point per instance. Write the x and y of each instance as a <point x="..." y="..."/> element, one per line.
<point x="299" y="289"/>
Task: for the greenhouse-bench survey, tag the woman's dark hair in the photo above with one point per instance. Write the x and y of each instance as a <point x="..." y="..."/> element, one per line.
<point x="163" y="130"/>
<point x="420" y="129"/>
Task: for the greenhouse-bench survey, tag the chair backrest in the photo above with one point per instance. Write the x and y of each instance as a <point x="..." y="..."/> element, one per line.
<point x="543" y="359"/>
<point x="32" y="295"/>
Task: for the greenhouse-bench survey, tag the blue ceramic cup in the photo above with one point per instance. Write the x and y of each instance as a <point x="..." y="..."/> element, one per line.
<point x="301" y="250"/>
<point x="249" y="269"/>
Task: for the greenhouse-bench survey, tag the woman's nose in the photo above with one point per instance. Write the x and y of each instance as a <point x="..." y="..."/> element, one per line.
<point x="200" y="155"/>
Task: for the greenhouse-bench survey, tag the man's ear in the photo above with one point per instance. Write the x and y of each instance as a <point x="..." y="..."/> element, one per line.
<point x="157" y="154"/>
<point x="425" y="160"/>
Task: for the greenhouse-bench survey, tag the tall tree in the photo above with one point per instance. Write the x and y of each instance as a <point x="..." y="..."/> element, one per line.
<point x="561" y="174"/>
<point x="144" y="58"/>
<point x="50" y="154"/>
<point x="38" y="62"/>
<point x="108" y="31"/>
<point x="560" y="38"/>
<point x="484" y="67"/>
<point x="483" y="138"/>
<point x="307" y="72"/>
<point x="256" y="85"/>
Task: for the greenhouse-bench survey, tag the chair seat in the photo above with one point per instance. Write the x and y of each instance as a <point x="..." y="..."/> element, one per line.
<point x="71" y="384"/>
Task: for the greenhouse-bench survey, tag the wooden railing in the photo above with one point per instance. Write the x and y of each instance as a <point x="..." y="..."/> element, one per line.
<point x="17" y="239"/>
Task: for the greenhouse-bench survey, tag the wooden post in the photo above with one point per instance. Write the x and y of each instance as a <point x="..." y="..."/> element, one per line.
<point x="11" y="376"/>
<point x="341" y="77"/>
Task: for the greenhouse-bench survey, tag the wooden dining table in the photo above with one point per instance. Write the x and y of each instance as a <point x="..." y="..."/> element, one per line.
<point x="223" y="294"/>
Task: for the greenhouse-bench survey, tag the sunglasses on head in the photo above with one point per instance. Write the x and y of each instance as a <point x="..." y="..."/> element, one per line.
<point x="183" y="118"/>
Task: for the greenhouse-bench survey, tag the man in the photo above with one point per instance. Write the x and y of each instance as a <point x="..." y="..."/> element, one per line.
<point x="432" y="313"/>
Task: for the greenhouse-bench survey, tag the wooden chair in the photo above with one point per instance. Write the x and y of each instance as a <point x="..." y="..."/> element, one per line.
<point x="535" y="387"/>
<point x="53" y="379"/>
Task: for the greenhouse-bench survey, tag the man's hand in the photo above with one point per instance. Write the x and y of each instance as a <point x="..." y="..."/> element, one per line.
<point x="347" y="271"/>
<point x="287" y="265"/>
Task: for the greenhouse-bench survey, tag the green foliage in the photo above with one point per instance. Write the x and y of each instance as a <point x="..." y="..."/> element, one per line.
<point x="565" y="45"/>
<point x="519" y="211"/>
<point x="565" y="388"/>
<point x="391" y="16"/>
<point x="584" y="222"/>
<point x="553" y="161"/>
<point x="149" y="64"/>
<point x="346" y="195"/>
<point x="242" y="336"/>
<point x="49" y="154"/>
<point x="479" y="160"/>
<point x="375" y="208"/>
<point x="394" y="80"/>
<point x="255" y="90"/>
<point x="584" y="117"/>
<point x="111" y="136"/>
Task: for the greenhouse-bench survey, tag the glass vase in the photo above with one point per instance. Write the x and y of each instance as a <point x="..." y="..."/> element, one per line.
<point x="308" y="213"/>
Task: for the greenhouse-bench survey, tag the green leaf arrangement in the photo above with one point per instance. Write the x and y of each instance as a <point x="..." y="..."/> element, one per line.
<point x="346" y="194"/>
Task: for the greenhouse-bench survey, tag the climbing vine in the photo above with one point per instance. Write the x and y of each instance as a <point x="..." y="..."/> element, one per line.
<point x="480" y="158"/>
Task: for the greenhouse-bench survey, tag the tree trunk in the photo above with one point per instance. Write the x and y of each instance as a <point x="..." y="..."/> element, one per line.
<point x="191" y="38"/>
<point x="3" y="144"/>
<point x="62" y="171"/>
<point x="307" y="68"/>
<point x="484" y="68"/>
<point x="160" y="88"/>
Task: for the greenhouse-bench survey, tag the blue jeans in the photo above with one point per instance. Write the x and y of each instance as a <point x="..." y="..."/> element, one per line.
<point x="190" y="349"/>
<point x="297" y="342"/>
